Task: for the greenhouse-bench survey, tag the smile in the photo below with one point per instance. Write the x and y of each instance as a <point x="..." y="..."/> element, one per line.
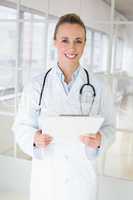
<point x="71" y="56"/>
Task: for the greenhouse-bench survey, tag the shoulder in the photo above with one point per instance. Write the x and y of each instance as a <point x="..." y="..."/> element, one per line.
<point x="103" y="85"/>
<point x="97" y="80"/>
<point x="100" y="82"/>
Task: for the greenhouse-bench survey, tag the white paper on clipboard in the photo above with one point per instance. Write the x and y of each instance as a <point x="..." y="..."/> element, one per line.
<point x="71" y="127"/>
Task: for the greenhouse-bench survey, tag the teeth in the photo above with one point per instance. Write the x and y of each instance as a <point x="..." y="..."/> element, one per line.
<point x="70" y="55"/>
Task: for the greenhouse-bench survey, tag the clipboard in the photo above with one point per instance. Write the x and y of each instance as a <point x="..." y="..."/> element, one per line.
<point x="71" y="126"/>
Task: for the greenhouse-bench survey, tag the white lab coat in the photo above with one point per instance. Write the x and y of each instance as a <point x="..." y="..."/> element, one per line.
<point x="65" y="172"/>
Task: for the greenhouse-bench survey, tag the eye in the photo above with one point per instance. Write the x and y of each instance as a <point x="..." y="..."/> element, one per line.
<point x="79" y="41"/>
<point x="64" y="41"/>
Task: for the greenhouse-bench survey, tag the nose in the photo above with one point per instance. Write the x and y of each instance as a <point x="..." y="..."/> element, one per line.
<point x="72" y="46"/>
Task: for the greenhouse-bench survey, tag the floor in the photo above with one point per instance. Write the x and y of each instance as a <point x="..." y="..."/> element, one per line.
<point x="115" y="189"/>
<point x="119" y="158"/>
<point x="13" y="196"/>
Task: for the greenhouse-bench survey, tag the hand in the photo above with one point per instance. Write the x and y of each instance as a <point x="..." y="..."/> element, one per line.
<point x="42" y="140"/>
<point x="91" y="140"/>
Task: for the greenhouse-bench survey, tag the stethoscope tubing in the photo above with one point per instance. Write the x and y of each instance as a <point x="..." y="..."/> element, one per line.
<point x="80" y="92"/>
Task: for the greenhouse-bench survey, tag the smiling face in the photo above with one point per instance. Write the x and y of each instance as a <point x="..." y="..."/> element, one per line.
<point x="70" y="42"/>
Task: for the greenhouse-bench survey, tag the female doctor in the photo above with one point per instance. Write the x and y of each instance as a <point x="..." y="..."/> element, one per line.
<point x="64" y="172"/>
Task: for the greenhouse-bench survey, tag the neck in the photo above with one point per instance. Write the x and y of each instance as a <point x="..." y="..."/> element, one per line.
<point x="68" y="70"/>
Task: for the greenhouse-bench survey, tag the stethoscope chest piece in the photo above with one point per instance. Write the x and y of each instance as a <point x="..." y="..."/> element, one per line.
<point x="87" y="94"/>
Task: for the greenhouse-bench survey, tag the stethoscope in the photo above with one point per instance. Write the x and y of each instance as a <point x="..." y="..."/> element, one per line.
<point x="91" y="94"/>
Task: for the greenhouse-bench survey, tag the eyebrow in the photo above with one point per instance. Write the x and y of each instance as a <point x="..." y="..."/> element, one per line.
<point x="64" y="37"/>
<point x="78" y="38"/>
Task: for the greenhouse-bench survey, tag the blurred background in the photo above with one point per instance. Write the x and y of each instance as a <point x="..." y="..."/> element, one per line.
<point x="26" y="49"/>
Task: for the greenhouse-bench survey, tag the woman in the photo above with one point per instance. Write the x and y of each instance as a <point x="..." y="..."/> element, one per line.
<point x="62" y="173"/>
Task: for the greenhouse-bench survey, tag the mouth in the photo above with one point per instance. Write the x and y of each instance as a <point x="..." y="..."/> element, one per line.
<point x="70" y="56"/>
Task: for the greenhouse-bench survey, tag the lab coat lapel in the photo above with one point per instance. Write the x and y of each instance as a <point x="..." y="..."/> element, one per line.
<point x="72" y="99"/>
<point x="79" y="81"/>
<point x="54" y="96"/>
<point x="66" y="104"/>
<point x="59" y="87"/>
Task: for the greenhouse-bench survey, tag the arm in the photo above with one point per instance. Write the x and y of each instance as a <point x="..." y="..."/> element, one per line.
<point x="26" y="128"/>
<point x="106" y="134"/>
<point x="107" y="110"/>
<point x="26" y="121"/>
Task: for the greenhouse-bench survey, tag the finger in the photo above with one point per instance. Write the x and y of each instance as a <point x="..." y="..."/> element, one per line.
<point x="85" y="139"/>
<point x="91" y="141"/>
<point x="92" y="136"/>
<point x="48" y="140"/>
<point x="47" y="135"/>
<point x="46" y="143"/>
<point x="39" y="131"/>
<point x="93" y="144"/>
<point x="43" y="137"/>
<point x="81" y="138"/>
<point x="94" y="141"/>
<point x="43" y="144"/>
<point x="43" y="140"/>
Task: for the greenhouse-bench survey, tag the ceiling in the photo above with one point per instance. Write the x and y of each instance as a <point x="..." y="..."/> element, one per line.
<point x="125" y="7"/>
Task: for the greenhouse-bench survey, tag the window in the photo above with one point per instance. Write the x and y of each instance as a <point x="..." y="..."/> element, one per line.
<point x="105" y="47"/>
<point x="96" y="51"/>
<point x="118" y="55"/>
<point x="86" y="58"/>
<point x="33" y="45"/>
<point x="7" y="50"/>
<point x="7" y="74"/>
<point x="51" y="54"/>
<point x="100" y="51"/>
<point x="7" y="13"/>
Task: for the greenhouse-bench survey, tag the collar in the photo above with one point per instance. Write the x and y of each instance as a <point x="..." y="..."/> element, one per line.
<point x="61" y="75"/>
